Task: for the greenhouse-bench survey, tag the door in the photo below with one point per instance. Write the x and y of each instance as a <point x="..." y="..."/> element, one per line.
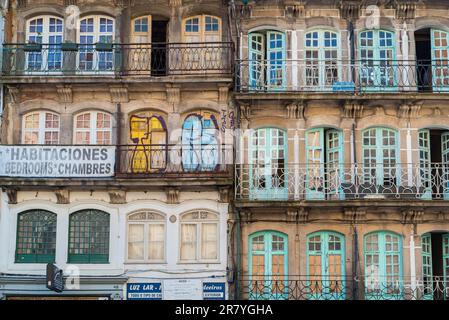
<point x="445" y="164"/>
<point x="268" y="164"/>
<point x="256" y="61"/>
<point x="446" y="265"/>
<point x="440" y="56"/>
<point x="276" y="72"/>
<point x="159" y="56"/>
<point x="268" y="266"/>
<point x="325" y="266"/>
<point x="139" y="52"/>
<point x="427" y="270"/>
<point x="424" y="184"/>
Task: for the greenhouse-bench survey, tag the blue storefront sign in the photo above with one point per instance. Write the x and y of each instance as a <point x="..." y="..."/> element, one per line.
<point x="144" y="291"/>
<point x="214" y="290"/>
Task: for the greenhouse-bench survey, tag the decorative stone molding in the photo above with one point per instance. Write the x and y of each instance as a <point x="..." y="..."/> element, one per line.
<point x="303" y="215"/>
<point x="65" y="93"/>
<point x="224" y="193"/>
<point x="349" y="9"/>
<point x="223" y="94"/>
<point x="412" y="216"/>
<point x="12" y="195"/>
<point x="245" y="111"/>
<point x="70" y="3"/>
<point x="21" y="4"/>
<point x="14" y="94"/>
<point x="119" y="94"/>
<point x="411" y="110"/>
<point x="296" y="110"/>
<point x="295" y="8"/>
<point x="172" y="195"/>
<point x="354" y="215"/>
<point x="246" y="216"/>
<point x="405" y="9"/>
<point x="292" y="215"/>
<point x="245" y="11"/>
<point x="175" y="3"/>
<point x="117" y="196"/>
<point x="353" y="110"/>
<point x="173" y="95"/>
<point x="62" y="196"/>
<point x="437" y="111"/>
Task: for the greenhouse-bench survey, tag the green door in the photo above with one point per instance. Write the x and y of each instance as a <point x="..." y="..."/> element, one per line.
<point x="446" y="265"/>
<point x="256" y="62"/>
<point x="427" y="270"/>
<point x="440" y="56"/>
<point x="268" y="169"/>
<point x="424" y="184"/>
<point x="268" y="266"/>
<point x="445" y="164"/>
<point x="325" y="266"/>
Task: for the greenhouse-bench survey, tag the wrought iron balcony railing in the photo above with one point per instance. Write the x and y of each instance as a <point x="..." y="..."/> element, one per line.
<point x="153" y="160"/>
<point x="294" y="287"/>
<point x="281" y="182"/>
<point x="341" y="76"/>
<point x="156" y="59"/>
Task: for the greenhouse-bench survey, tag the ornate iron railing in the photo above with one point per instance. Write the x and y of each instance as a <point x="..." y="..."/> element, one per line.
<point x="294" y="287"/>
<point x="157" y="59"/>
<point x="147" y="160"/>
<point x="341" y="76"/>
<point x="341" y="181"/>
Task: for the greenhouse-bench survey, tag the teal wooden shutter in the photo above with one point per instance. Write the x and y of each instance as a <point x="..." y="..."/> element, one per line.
<point x="276" y="55"/>
<point x="315" y="188"/>
<point x="445" y="164"/>
<point x="440" y="63"/>
<point x="257" y="63"/>
<point x="446" y="263"/>
<point x="427" y="272"/>
<point x="424" y="164"/>
<point x="334" y="161"/>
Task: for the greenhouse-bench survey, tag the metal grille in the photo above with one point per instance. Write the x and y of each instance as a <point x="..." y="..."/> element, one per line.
<point x="36" y="237"/>
<point x="89" y="237"/>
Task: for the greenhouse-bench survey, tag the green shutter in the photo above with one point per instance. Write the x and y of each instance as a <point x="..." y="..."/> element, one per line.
<point x="425" y="163"/>
<point x="427" y="272"/>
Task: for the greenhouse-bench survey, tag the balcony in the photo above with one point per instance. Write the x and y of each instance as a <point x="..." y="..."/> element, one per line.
<point x="139" y="165"/>
<point x="341" y="77"/>
<point x="117" y="60"/>
<point x="294" y="287"/>
<point x="333" y="182"/>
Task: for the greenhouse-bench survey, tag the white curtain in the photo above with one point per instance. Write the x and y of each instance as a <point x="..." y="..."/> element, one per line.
<point x="136" y="242"/>
<point x="209" y="241"/>
<point x="188" y="241"/>
<point x="156" y="239"/>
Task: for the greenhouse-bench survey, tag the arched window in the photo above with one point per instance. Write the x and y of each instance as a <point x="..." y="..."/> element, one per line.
<point x="202" y="28"/>
<point x="146" y="237"/>
<point x="268" y="265"/>
<point x="326" y="265"/>
<point x="36" y="237"/>
<point x="378" y="60"/>
<point x="199" y="142"/>
<point x="40" y="127"/>
<point x="267" y="65"/>
<point x="148" y="132"/>
<point x="48" y="31"/>
<point x="93" y="127"/>
<point x="89" y="237"/>
<point x="199" y="237"/>
<point x="268" y="158"/>
<point x="321" y="59"/>
<point x="380" y="156"/>
<point x="324" y="154"/>
<point x="383" y="266"/>
<point x="96" y="30"/>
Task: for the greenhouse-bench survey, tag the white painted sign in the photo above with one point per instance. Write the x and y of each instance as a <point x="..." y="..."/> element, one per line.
<point x="57" y="161"/>
<point x="183" y="289"/>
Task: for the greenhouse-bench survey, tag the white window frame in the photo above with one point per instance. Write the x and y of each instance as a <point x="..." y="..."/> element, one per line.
<point x="92" y="130"/>
<point x="146" y="223"/>
<point x="41" y="129"/>
<point x="96" y="34"/>
<point x="198" y="223"/>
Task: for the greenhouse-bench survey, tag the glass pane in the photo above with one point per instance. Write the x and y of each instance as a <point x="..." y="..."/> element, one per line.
<point x="188" y="241"/>
<point x="136" y="242"/>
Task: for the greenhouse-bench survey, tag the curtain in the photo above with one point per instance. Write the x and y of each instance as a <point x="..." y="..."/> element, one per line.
<point x="136" y="241"/>
<point x="188" y="241"/>
<point x="156" y="239"/>
<point x="209" y="241"/>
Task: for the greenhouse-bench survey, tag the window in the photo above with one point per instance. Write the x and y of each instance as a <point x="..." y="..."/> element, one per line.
<point x="268" y="159"/>
<point x="199" y="237"/>
<point x="377" y="58"/>
<point x="383" y="266"/>
<point x="268" y="266"/>
<point x="93" y="30"/>
<point x="380" y="156"/>
<point x="47" y="31"/>
<point x="440" y="60"/>
<point x="325" y="265"/>
<point x="199" y="142"/>
<point x="321" y="59"/>
<point x="36" y="237"/>
<point x="267" y="59"/>
<point x="202" y="29"/>
<point x="148" y="133"/>
<point x="89" y="237"/>
<point x="93" y="127"/>
<point x="40" y="128"/>
<point x="146" y="237"/>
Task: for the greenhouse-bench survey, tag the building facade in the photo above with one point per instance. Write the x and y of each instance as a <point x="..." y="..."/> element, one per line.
<point x="115" y="163"/>
<point x="340" y="185"/>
